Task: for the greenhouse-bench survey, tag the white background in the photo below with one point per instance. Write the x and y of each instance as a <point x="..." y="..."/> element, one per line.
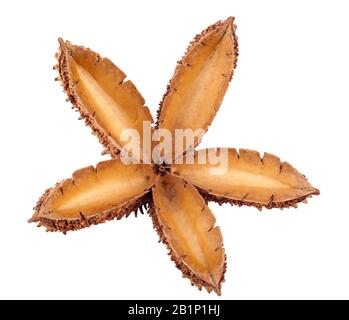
<point x="289" y="96"/>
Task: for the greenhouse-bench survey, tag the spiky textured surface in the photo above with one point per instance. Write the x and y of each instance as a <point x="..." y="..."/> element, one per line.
<point x="64" y="225"/>
<point x="187" y="273"/>
<point x="271" y="205"/>
<point x="250" y="179"/>
<point x="69" y="88"/>
<point x="196" y="40"/>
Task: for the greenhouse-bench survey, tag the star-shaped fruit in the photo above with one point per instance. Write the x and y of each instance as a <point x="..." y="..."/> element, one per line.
<point x="174" y="191"/>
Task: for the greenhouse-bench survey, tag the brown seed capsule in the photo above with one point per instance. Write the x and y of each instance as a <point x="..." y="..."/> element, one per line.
<point x="175" y="195"/>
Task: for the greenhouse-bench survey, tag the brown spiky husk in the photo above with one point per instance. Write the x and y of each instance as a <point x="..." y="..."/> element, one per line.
<point x="187" y="273"/>
<point x="69" y="88"/>
<point x="271" y="205"/>
<point x="192" y="43"/>
<point x="135" y="205"/>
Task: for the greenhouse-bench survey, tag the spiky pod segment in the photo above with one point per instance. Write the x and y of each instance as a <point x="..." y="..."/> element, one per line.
<point x="65" y="225"/>
<point x="69" y="88"/>
<point x="196" y="42"/>
<point x="100" y="91"/>
<point x="186" y="272"/>
<point x="249" y="179"/>
<point x="93" y="195"/>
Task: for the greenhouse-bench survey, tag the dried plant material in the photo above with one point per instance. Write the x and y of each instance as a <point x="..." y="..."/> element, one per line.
<point x="249" y="179"/>
<point x="97" y="88"/>
<point x="174" y="194"/>
<point x="186" y="225"/>
<point x="93" y="195"/>
<point x="201" y="79"/>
